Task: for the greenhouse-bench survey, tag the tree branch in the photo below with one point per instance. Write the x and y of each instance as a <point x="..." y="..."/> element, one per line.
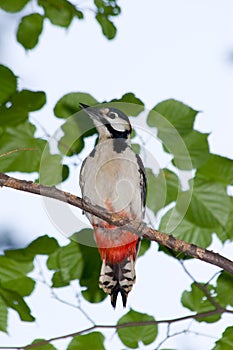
<point x="137" y="227"/>
<point x="118" y="326"/>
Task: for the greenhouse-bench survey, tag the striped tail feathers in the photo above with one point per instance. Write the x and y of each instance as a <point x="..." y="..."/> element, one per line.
<point x="118" y="278"/>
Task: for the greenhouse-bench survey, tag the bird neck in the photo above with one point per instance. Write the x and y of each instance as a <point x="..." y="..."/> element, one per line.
<point x="107" y="131"/>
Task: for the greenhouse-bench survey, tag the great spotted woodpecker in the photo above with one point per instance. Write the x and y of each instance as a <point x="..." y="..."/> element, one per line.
<point x="113" y="177"/>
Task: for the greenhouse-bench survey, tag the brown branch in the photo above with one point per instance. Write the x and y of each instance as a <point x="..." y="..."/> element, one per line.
<point x="119" y="326"/>
<point x="149" y="233"/>
<point x="18" y="150"/>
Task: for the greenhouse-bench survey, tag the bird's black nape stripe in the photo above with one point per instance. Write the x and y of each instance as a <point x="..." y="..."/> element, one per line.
<point x="116" y="134"/>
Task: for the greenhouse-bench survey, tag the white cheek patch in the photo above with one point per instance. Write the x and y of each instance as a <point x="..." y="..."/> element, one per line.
<point x="118" y="126"/>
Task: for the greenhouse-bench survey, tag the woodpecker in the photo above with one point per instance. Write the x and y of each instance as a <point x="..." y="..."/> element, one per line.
<point x="113" y="177"/>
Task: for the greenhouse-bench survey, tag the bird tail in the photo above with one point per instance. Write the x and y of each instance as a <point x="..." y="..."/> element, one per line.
<point x="118" y="278"/>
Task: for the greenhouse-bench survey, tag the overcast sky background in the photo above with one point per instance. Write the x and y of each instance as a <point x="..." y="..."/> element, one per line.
<point x="164" y="49"/>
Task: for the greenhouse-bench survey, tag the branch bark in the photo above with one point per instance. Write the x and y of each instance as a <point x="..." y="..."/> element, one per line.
<point x="147" y="232"/>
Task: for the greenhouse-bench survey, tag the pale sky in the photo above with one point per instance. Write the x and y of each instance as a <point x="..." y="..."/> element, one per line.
<point x="164" y="49"/>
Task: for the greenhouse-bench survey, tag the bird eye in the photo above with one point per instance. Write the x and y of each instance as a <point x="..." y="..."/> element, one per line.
<point x="112" y="115"/>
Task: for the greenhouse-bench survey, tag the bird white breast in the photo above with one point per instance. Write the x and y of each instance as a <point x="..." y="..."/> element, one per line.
<point x="111" y="180"/>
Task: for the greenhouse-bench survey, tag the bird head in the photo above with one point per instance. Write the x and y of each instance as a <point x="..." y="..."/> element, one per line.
<point x="110" y="122"/>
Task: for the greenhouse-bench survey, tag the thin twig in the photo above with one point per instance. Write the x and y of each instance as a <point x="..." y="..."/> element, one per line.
<point x="56" y="297"/>
<point x="212" y="277"/>
<point x="18" y="150"/>
<point x="202" y="287"/>
<point x="168" y="336"/>
<point x="185" y="331"/>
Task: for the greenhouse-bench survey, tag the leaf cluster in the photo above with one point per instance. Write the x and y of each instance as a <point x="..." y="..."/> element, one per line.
<point x="193" y="212"/>
<point x="67" y="263"/>
<point x="60" y="13"/>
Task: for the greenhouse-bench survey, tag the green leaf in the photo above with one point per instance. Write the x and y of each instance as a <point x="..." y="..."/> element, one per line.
<point x="43" y="245"/>
<point x="21" y="103"/>
<point x="131" y="336"/>
<point x="175" y="112"/>
<point x="217" y="168"/>
<point x="224" y="285"/>
<point x="29" y="30"/>
<point x="107" y="7"/>
<point x="68" y="264"/>
<point x="52" y="172"/>
<point x="145" y="245"/>
<point x="94" y="340"/>
<point x="209" y="206"/>
<point x="78" y="125"/>
<point x="156" y="191"/>
<point x="79" y="14"/>
<point x="24" y="285"/>
<point x="84" y="237"/>
<point x="172" y="141"/>
<point x="136" y="148"/>
<point x="196" y="300"/>
<point x="3" y="315"/>
<point x="228" y="232"/>
<point x="44" y="346"/>
<point x="179" y="226"/>
<point x="24" y="150"/>
<point x="90" y="274"/>
<point x="75" y="129"/>
<point x="108" y="28"/>
<point x="12" y="115"/>
<point x="29" y="100"/>
<point x="13" y="276"/>
<point x="112" y="10"/>
<point x="161" y="189"/>
<point x="198" y="148"/>
<point x="8" y="84"/>
<point x="172" y="185"/>
<point x="59" y="12"/>
<point x="129" y="104"/>
<point x="69" y="104"/>
<point x="13" y="5"/>
<point x="78" y="261"/>
<point x="174" y="122"/>
<point x="92" y="265"/>
<point x="10" y="268"/>
<point x="16" y="302"/>
<point x="226" y="342"/>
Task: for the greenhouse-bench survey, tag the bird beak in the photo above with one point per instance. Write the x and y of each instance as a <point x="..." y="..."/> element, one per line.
<point x="94" y="113"/>
<point x="83" y="106"/>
